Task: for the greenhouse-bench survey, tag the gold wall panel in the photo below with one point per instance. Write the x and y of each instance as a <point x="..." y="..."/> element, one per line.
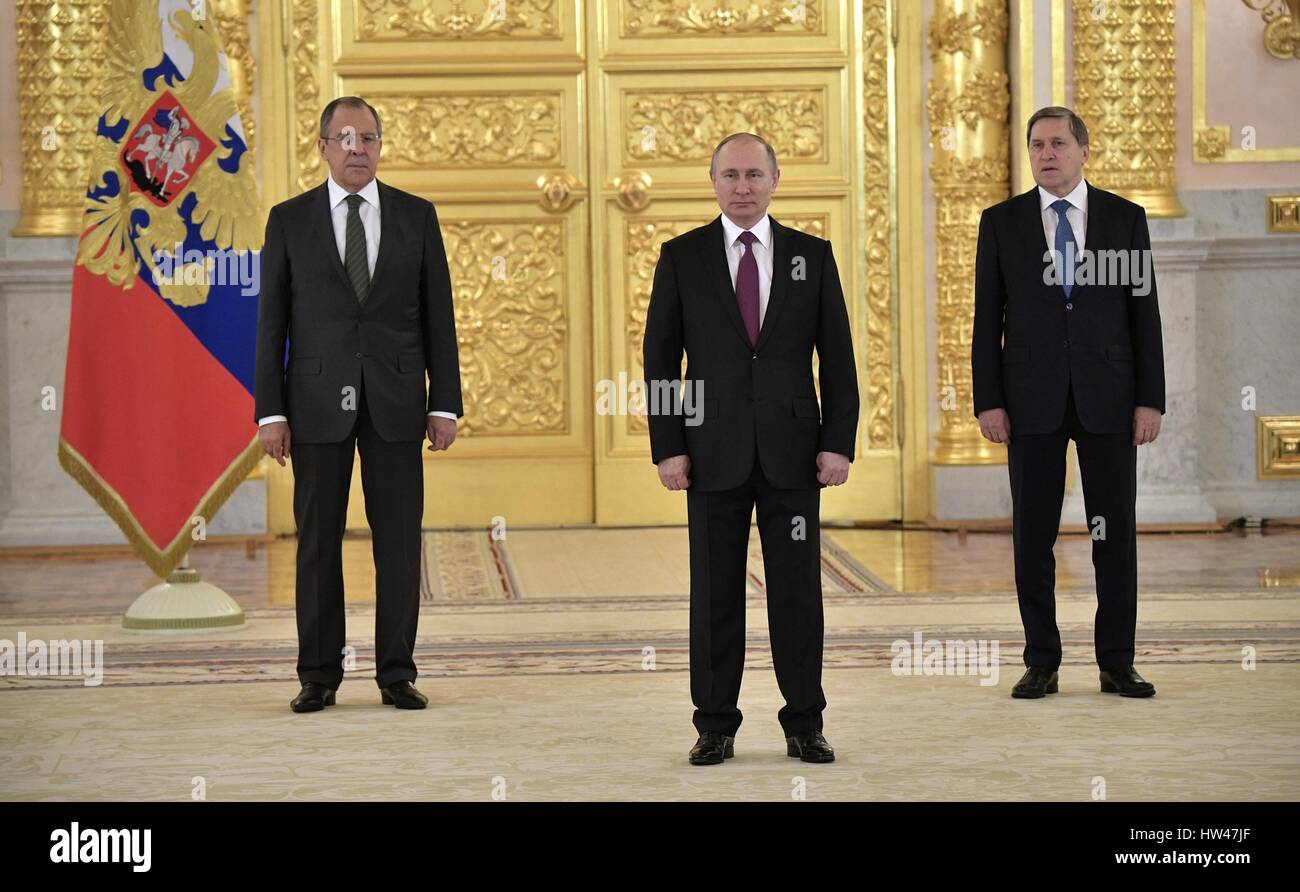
<point x="509" y="283"/>
<point x="493" y="140"/>
<point x="1124" y="90"/>
<point x="1277" y="441"/>
<point x="967" y="104"/>
<point x="714" y="30"/>
<point x="668" y="126"/>
<point x="876" y="246"/>
<point x="429" y="34"/>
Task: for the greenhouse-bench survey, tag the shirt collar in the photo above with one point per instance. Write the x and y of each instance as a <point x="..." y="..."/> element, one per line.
<point x="1078" y="198"/>
<point x="762" y="231"/>
<point x="370" y="192"/>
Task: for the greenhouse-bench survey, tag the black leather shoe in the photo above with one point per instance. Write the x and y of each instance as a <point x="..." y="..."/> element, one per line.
<point x="313" y="697"/>
<point x="712" y="748"/>
<point x="403" y="695"/>
<point x="1037" y="681"/>
<point x="1125" y="681"/>
<point x="810" y="747"/>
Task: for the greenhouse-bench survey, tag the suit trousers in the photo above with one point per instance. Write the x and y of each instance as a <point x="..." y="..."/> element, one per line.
<point x="789" y="530"/>
<point x="392" y="479"/>
<point x="1108" y="468"/>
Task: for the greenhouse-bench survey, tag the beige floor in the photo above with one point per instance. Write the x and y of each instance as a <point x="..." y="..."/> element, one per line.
<point x="545" y="696"/>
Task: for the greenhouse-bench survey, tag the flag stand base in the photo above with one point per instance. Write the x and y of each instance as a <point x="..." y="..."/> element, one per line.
<point x="184" y="603"/>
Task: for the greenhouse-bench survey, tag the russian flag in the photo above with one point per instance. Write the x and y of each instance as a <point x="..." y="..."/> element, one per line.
<point x="158" y="396"/>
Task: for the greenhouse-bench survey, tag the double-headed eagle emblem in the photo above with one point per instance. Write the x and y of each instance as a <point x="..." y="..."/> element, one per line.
<point x="171" y="162"/>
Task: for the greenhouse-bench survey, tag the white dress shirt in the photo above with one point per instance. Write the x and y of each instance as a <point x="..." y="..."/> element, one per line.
<point x="370" y="222"/>
<point x="1076" y="215"/>
<point x="762" y="256"/>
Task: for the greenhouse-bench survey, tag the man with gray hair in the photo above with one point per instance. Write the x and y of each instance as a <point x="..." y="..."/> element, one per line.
<point x="748" y="301"/>
<point x="1058" y="353"/>
<point x="355" y="282"/>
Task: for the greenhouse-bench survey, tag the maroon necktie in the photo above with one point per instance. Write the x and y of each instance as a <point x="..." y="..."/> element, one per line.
<point x="747" y="286"/>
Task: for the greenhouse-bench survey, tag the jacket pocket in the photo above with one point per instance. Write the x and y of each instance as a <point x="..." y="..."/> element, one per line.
<point x="304" y="365"/>
<point x="806" y="407"/>
<point x="1013" y="353"/>
<point x="410" y="362"/>
<point x="1122" y="352"/>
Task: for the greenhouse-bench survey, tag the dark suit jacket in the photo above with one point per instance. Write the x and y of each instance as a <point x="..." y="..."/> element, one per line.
<point x="751" y="393"/>
<point x="1103" y="343"/>
<point x="405" y="329"/>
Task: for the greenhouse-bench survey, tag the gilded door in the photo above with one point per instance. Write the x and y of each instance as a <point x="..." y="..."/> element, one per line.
<point x="562" y="142"/>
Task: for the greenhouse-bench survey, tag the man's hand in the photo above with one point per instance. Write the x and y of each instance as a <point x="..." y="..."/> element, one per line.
<point x="442" y="432"/>
<point x="675" y="472"/>
<point x="275" y="440"/>
<point x="832" y="468"/>
<point x="1146" y="425"/>
<point x="995" y="425"/>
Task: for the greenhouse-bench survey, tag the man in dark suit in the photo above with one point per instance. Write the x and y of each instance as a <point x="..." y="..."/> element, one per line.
<point x="355" y="279"/>
<point x="1082" y="360"/>
<point x="748" y="300"/>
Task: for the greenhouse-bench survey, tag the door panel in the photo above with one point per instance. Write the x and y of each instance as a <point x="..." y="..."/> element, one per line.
<point x="562" y="143"/>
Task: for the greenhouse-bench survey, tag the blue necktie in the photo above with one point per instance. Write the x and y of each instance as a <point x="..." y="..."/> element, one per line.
<point x="1065" y="237"/>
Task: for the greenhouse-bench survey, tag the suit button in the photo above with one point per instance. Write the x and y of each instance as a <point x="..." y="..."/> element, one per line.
<point x="358" y="356"/>
<point x="1069" y="306"/>
<point x="1065" y="343"/>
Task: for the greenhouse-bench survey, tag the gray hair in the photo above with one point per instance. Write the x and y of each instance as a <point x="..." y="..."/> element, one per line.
<point x="771" y="152"/>
<point x="1077" y="127"/>
<point x="327" y="116"/>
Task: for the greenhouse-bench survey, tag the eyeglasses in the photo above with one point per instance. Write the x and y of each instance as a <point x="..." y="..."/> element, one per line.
<point x="366" y="140"/>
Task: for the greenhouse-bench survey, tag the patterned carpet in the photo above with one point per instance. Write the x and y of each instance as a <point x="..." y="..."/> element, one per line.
<point x="535" y="660"/>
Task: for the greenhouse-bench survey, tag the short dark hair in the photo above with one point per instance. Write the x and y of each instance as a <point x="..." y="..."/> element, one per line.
<point x="347" y="102"/>
<point x="771" y="152"/>
<point x="1077" y="128"/>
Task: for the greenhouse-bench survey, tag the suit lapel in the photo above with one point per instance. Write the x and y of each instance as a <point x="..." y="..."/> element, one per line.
<point x="776" y="298"/>
<point x="714" y="248"/>
<point x="325" y="233"/>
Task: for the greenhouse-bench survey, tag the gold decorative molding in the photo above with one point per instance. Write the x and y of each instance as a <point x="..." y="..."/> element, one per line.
<point x="1212" y="143"/>
<point x="1277" y="447"/>
<point x="61" y="53"/>
<point x="508" y="278"/>
<point x="1281" y="26"/>
<point x="1284" y="213"/>
<point x="687" y="125"/>
<point x="968" y="103"/>
<point x="459" y="130"/>
<point x="877" y="198"/>
<point x="712" y="18"/>
<point x="459" y="20"/>
<point x="231" y="17"/>
<point x="1124" y="90"/>
<point x="304" y="42"/>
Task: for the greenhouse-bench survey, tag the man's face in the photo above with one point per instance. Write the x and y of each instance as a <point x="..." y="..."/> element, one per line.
<point x="744" y="181"/>
<point x="352" y="161"/>
<point x="1055" y="156"/>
